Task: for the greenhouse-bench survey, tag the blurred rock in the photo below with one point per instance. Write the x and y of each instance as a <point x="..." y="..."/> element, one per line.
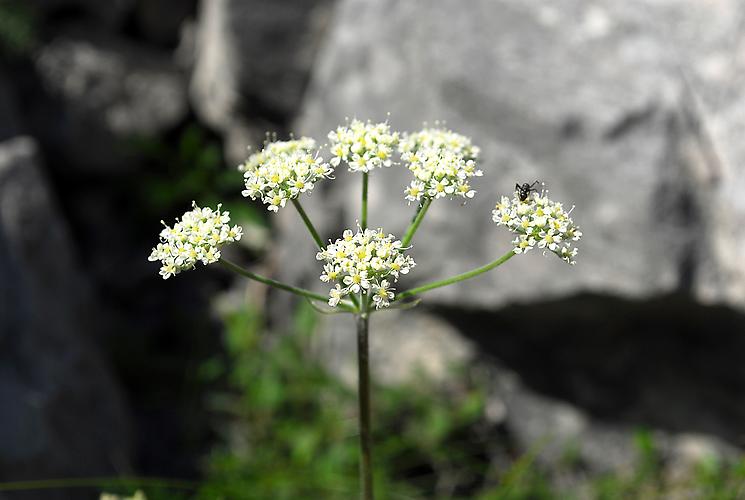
<point x="689" y="452"/>
<point x="107" y="93"/>
<point x="253" y="59"/>
<point x="610" y="104"/>
<point x="558" y="432"/>
<point x="405" y="345"/>
<point x="61" y="413"/>
<point x="633" y="112"/>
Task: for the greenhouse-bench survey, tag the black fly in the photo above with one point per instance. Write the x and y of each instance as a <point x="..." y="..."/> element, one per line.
<point x="523" y="190"/>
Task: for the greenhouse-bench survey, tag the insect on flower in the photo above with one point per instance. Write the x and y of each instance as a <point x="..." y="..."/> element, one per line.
<point x="523" y="190"/>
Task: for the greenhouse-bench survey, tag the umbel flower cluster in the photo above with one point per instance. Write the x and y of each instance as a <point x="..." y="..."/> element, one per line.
<point x="439" y="138"/>
<point x="363" y="145"/>
<point x="538" y="222"/>
<point x="367" y="262"/>
<point x="441" y="161"/>
<point x="363" y="266"/>
<point x="282" y="171"/>
<point x="197" y="237"/>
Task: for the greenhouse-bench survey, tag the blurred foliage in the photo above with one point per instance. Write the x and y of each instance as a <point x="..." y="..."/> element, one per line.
<point x="191" y="168"/>
<point x="18" y="28"/>
<point x="291" y="429"/>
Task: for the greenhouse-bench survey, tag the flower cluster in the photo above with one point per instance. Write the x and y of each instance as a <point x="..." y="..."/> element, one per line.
<point x="283" y="170"/>
<point x="538" y="222"/>
<point x="442" y="163"/>
<point x="363" y="145"/>
<point x="197" y="237"/>
<point x="439" y="138"/>
<point x="364" y="263"/>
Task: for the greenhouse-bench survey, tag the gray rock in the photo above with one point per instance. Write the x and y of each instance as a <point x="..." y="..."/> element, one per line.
<point x="109" y="93"/>
<point x="61" y="413"/>
<point x="253" y="59"/>
<point x="630" y="111"/>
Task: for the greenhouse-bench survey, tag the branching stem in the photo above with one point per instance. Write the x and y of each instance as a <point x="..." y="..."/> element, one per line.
<point x="420" y="213"/>
<point x="455" y="279"/>
<point x="282" y="286"/>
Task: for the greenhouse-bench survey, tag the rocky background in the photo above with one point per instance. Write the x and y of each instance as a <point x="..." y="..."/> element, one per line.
<point x="116" y="114"/>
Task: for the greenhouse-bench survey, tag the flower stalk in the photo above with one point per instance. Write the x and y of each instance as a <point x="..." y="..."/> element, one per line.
<point x="282" y="286"/>
<point x="308" y="223"/>
<point x="456" y="279"/>
<point x="363" y="216"/>
<point x="420" y="213"/>
<point x="363" y="384"/>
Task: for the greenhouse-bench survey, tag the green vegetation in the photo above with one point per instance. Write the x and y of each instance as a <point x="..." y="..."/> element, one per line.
<point x="290" y="427"/>
<point x="18" y="29"/>
<point x="191" y="168"/>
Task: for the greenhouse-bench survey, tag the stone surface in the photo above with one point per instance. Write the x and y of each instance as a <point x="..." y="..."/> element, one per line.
<point x="633" y="111"/>
<point x="61" y="413"/>
<point x="106" y="94"/>
<point x="628" y="110"/>
<point x="405" y="344"/>
<point x="252" y="60"/>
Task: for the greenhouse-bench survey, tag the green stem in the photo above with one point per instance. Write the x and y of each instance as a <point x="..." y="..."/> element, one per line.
<point x="282" y="286"/>
<point x="363" y="364"/>
<point x="363" y="217"/>
<point x="421" y="211"/>
<point x="455" y="279"/>
<point x="308" y="223"/>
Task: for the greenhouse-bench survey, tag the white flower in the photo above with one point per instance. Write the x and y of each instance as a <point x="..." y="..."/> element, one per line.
<point x="538" y="222"/>
<point x="282" y="171"/>
<point x="415" y="191"/>
<point x="439" y="138"/>
<point x="197" y="237"/>
<point x="382" y="294"/>
<point x="335" y="295"/>
<point x="363" y="263"/>
<point x="363" y="145"/>
<point x="357" y="280"/>
<point x="441" y="161"/>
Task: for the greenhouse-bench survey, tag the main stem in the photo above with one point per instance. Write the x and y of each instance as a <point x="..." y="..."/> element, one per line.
<point x="420" y="213"/>
<point x="455" y="279"/>
<point x="363" y="362"/>
<point x="363" y="217"/>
